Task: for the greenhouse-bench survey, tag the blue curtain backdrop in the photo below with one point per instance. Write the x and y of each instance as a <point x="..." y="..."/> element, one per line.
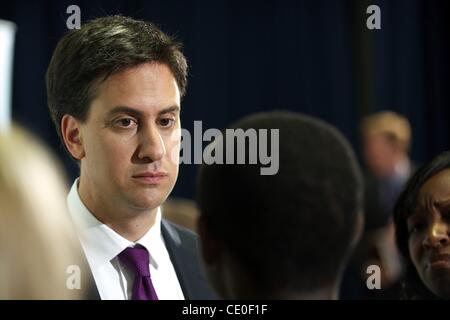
<point x="312" y="56"/>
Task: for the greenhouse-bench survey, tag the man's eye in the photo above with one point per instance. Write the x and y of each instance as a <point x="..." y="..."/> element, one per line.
<point x="166" y="122"/>
<point x="126" y="123"/>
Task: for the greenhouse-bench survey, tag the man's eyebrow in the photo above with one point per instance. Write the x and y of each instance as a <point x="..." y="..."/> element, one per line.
<point x="124" y="109"/>
<point x="174" y="108"/>
<point x="137" y="113"/>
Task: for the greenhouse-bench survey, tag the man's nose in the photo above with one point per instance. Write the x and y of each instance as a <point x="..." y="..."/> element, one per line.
<point x="151" y="147"/>
<point x="437" y="234"/>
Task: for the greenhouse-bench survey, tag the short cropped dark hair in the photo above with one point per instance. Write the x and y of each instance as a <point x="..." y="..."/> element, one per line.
<point x="292" y="230"/>
<point x="86" y="57"/>
<point x="404" y="208"/>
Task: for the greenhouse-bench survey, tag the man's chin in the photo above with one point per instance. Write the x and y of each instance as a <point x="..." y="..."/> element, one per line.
<point x="145" y="205"/>
<point x="147" y="198"/>
<point x="146" y="202"/>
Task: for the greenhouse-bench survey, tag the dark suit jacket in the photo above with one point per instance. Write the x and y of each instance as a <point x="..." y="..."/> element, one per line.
<point x="182" y="245"/>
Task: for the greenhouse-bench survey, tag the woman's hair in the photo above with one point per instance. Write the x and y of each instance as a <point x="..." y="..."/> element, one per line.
<point x="404" y="208"/>
<point x="38" y="244"/>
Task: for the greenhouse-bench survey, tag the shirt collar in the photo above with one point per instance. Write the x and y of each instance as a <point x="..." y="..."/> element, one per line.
<point x="102" y="244"/>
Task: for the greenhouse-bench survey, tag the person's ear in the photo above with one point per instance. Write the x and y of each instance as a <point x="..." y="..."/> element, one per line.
<point x="71" y="134"/>
<point x="209" y="244"/>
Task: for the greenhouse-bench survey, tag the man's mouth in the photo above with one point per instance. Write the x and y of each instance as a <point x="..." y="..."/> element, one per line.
<point x="150" y="177"/>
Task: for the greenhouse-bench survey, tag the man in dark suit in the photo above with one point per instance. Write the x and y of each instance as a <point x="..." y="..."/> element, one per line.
<point x="114" y="89"/>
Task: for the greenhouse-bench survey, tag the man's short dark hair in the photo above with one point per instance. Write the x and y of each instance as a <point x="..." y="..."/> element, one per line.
<point x="293" y="230"/>
<point x="86" y="57"/>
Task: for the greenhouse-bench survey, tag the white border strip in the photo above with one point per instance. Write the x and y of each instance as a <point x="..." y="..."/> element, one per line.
<point x="7" y="33"/>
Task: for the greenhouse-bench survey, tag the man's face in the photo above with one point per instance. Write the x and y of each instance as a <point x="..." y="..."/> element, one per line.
<point x="379" y="154"/>
<point x="131" y="140"/>
<point x="429" y="234"/>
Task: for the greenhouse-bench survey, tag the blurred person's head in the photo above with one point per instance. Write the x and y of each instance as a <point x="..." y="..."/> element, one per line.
<point x="286" y="235"/>
<point x="38" y="245"/>
<point x="422" y="219"/>
<point x="114" y="89"/>
<point x="386" y="138"/>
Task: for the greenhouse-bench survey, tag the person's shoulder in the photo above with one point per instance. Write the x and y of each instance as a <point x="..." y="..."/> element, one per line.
<point x="179" y="229"/>
<point x="180" y="234"/>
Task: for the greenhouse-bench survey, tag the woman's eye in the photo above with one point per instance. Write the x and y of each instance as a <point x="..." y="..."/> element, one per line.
<point x="416" y="228"/>
<point x="445" y="214"/>
<point x="126" y="122"/>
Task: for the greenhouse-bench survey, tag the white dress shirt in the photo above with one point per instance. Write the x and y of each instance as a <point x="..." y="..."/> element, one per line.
<point x="101" y="246"/>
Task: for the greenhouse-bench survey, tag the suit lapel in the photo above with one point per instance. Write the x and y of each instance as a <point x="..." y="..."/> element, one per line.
<point x="178" y="256"/>
<point x="184" y="256"/>
<point x="92" y="291"/>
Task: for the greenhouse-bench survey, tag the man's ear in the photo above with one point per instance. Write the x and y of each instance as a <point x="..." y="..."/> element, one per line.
<point x="71" y="134"/>
<point x="209" y="244"/>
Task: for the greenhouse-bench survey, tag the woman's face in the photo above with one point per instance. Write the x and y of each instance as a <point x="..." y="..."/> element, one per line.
<point x="429" y="234"/>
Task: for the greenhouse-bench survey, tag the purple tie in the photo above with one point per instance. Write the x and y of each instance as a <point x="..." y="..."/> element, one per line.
<point x="137" y="260"/>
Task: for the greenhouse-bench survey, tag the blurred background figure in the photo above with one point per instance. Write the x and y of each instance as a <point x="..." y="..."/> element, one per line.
<point x="38" y="247"/>
<point x="286" y="235"/>
<point x="386" y="140"/>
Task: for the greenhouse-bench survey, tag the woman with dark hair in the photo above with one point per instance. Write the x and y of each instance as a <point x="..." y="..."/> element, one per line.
<point x="422" y="220"/>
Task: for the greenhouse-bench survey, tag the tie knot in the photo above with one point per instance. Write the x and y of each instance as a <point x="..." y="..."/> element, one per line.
<point x="137" y="260"/>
